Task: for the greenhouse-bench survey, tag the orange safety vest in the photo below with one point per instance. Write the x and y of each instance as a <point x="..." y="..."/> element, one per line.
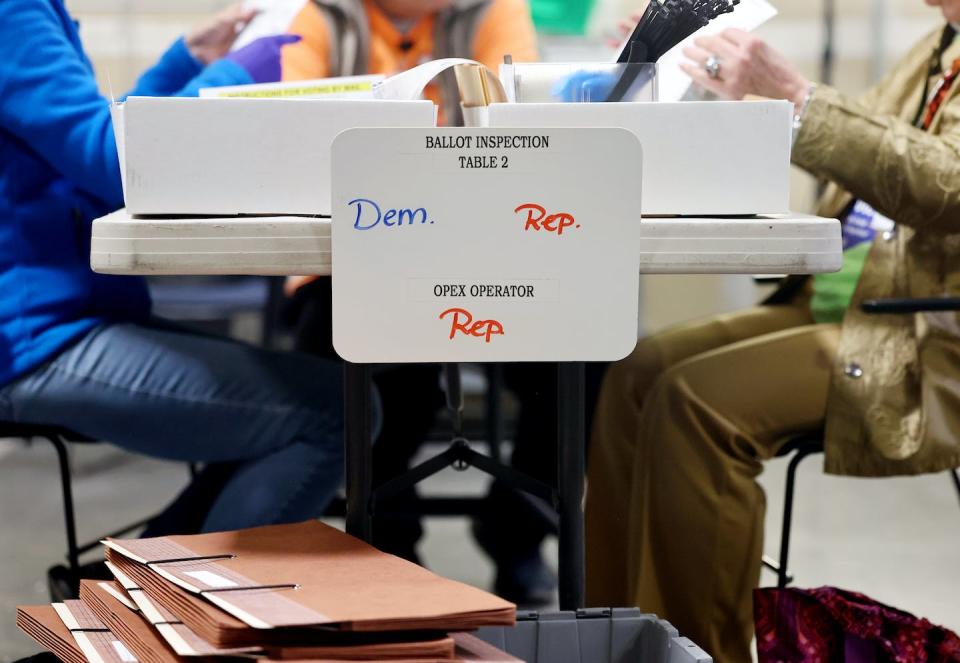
<point x="351" y="37"/>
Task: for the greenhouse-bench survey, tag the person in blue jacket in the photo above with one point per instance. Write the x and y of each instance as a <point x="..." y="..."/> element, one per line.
<point x="81" y="350"/>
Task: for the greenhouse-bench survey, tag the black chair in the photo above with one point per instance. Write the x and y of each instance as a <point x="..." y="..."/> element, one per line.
<point x="812" y="443"/>
<point x="63" y="581"/>
<point x="800" y="448"/>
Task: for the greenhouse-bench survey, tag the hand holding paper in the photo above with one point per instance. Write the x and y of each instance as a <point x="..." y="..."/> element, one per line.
<point x="748" y="65"/>
<point x="673" y="80"/>
<point x="212" y="39"/>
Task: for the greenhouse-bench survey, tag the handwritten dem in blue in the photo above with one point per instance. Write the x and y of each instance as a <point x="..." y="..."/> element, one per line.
<point x="370" y="215"/>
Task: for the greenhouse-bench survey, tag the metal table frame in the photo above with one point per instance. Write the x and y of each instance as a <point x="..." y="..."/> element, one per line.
<point x="566" y="497"/>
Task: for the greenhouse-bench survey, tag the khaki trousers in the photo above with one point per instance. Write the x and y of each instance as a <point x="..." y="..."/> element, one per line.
<point x="674" y="514"/>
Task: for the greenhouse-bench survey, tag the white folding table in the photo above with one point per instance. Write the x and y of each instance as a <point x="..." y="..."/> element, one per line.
<point x="292" y="245"/>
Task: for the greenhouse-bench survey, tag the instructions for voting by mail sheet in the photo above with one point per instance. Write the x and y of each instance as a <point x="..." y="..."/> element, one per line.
<point x="485" y="244"/>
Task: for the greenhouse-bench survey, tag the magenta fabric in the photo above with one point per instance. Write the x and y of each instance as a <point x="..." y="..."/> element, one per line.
<point x="830" y="625"/>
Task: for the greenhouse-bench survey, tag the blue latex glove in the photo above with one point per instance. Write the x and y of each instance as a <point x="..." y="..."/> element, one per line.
<point x="592" y="86"/>
<point x="261" y="58"/>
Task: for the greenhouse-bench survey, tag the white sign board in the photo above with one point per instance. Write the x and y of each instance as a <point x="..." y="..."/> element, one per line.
<point x="485" y="244"/>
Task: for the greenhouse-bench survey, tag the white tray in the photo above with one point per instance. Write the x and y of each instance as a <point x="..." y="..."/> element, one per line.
<point x="282" y="245"/>
<point x="700" y="158"/>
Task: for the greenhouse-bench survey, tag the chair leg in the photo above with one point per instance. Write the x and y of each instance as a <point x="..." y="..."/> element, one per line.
<point x="783" y="572"/>
<point x="69" y="517"/>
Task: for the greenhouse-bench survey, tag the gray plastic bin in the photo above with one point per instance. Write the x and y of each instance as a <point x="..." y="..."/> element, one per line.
<point x="594" y="635"/>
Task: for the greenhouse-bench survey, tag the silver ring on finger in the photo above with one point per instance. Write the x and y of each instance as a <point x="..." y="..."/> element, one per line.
<point x="712" y="67"/>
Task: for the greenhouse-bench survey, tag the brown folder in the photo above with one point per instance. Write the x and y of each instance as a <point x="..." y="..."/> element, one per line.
<point x="92" y="637"/>
<point x="279" y="644"/>
<point x="42" y="623"/>
<point x="130" y="626"/>
<point x="306" y="574"/>
<point x="171" y="628"/>
<point x="180" y="641"/>
<point x="208" y="622"/>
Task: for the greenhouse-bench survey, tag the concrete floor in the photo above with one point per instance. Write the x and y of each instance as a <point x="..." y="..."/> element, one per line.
<point x="897" y="540"/>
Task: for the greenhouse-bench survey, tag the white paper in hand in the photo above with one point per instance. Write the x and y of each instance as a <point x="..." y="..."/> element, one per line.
<point x="409" y="85"/>
<point x="749" y="15"/>
<point x="274" y="18"/>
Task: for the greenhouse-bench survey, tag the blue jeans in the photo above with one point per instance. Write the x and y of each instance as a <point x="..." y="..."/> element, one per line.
<point x="270" y="424"/>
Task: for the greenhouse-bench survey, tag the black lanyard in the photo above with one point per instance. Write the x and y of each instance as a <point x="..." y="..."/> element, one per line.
<point x="935" y="68"/>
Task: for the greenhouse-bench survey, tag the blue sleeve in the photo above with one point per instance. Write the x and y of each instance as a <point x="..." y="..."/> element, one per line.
<point x="218" y="74"/>
<point x="173" y="70"/>
<point x="50" y="101"/>
<point x="178" y="74"/>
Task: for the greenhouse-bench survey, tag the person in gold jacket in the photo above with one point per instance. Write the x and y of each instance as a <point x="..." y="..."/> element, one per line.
<point x="674" y="514"/>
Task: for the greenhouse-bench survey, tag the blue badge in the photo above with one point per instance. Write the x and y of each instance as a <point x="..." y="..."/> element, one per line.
<point x="862" y="224"/>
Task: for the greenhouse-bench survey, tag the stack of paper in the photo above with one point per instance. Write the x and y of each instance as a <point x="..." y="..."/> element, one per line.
<point x="140" y="638"/>
<point x="74" y="633"/>
<point x="42" y="623"/>
<point x="304" y="592"/>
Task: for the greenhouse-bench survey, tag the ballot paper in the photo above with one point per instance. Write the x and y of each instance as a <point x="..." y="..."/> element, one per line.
<point x="341" y="87"/>
<point x="306" y="574"/>
<point x="672" y="81"/>
<point x="409" y="85"/>
<point x="97" y="642"/>
<point x="43" y="624"/>
<point x="274" y="17"/>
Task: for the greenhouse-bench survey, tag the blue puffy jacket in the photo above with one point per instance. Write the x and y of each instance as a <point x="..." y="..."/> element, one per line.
<point x="58" y="172"/>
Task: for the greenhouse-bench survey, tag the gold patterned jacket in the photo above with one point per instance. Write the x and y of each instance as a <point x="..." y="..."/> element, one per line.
<point x="894" y="403"/>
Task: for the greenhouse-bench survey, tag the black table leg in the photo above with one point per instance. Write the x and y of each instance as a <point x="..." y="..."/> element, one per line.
<point x="358" y="441"/>
<point x="494" y="404"/>
<point x="571" y="433"/>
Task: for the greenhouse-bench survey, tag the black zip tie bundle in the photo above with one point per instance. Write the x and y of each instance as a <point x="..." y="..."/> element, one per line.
<point x="663" y="25"/>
